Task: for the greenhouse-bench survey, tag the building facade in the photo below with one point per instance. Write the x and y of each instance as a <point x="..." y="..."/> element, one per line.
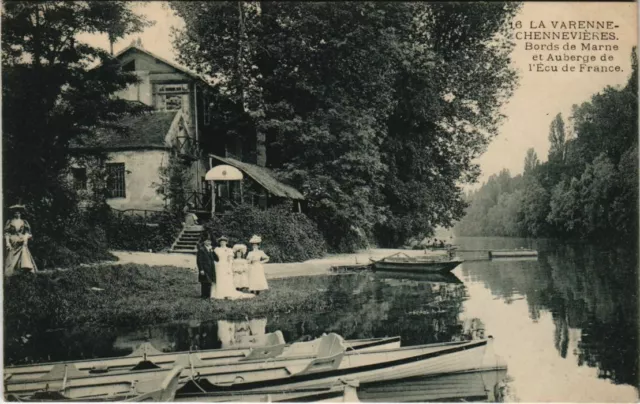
<point x="178" y="126"/>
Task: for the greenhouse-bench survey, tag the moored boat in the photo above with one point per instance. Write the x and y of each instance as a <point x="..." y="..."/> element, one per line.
<point x="460" y="387"/>
<point x="518" y="253"/>
<point x="162" y="388"/>
<point x="404" y="263"/>
<point x="274" y="342"/>
<point x="331" y="364"/>
<point x="346" y="392"/>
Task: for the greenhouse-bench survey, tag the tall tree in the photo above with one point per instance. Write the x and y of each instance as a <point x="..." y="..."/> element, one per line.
<point x="531" y="161"/>
<point x="368" y="107"/>
<point x="51" y="97"/>
<point x="557" y="139"/>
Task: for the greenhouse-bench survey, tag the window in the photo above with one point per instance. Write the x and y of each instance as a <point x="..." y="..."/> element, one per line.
<point x="171" y="97"/>
<point x="79" y="178"/>
<point x="115" y="180"/>
<point x="130" y="67"/>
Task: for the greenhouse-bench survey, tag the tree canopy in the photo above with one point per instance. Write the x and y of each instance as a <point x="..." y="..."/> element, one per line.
<point x="51" y="97"/>
<point x="587" y="189"/>
<point x="375" y="110"/>
<point x="50" y="94"/>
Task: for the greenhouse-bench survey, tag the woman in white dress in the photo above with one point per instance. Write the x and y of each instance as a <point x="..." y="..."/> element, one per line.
<point x="256" y="258"/>
<point x="224" y="288"/>
<point x="17" y="234"/>
<point x="240" y="267"/>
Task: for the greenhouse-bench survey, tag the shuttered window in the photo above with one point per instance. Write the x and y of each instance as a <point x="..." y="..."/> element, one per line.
<point x="116" y="180"/>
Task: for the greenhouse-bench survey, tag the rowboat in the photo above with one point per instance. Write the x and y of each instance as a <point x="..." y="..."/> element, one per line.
<point x="331" y="363"/>
<point x="159" y="389"/>
<point x="346" y="392"/>
<point x="247" y="350"/>
<point x="405" y="263"/>
<point x="518" y="253"/>
<point x="461" y="387"/>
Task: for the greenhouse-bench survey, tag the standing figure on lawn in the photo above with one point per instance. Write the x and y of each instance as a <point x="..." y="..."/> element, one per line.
<point x="257" y="257"/>
<point x="206" y="260"/>
<point x="17" y="234"/>
<point x="240" y="267"/>
<point x="225" y="289"/>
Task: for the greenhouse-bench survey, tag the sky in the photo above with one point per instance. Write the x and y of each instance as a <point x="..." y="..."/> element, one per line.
<point x="537" y="100"/>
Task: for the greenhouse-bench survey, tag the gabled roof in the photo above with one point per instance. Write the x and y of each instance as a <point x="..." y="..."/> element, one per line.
<point x="147" y="131"/>
<point x="264" y="177"/>
<point x="133" y="46"/>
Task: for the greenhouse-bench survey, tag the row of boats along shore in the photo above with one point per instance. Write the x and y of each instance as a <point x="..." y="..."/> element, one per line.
<point x="267" y="368"/>
<point x="328" y="368"/>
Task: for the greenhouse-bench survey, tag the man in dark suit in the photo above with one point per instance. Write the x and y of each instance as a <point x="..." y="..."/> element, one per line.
<point x="206" y="260"/>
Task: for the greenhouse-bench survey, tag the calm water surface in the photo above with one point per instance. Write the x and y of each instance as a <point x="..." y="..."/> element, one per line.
<point x="566" y="324"/>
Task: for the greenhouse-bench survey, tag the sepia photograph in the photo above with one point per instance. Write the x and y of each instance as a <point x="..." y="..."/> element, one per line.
<point x="344" y="201"/>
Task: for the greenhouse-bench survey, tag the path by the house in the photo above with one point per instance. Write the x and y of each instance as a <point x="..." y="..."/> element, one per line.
<point x="320" y="266"/>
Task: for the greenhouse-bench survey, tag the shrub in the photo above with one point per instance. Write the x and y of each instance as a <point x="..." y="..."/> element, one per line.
<point x="78" y="242"/>
<point x="136" y="233"/>
<point x="287" y="236"/>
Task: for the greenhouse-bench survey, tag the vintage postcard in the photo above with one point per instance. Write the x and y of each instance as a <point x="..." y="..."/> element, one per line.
<point x="320" y="201"/>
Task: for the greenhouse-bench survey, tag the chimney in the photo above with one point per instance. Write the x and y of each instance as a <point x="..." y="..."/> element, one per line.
<point x="137" y="42"/>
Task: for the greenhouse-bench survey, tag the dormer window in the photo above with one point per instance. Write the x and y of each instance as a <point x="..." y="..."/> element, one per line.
<point x="171" y="97"/>
<point x="130" y="67"/>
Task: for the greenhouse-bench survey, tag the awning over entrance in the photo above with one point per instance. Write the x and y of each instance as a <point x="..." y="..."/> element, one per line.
<point x="224" y="173"/>
<point x="262" y="176"/>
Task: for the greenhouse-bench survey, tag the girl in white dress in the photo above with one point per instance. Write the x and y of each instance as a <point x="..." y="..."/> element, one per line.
<point x="224" y="288"/>
<point x="240" y="267"/>
<point x="257" y="257"/>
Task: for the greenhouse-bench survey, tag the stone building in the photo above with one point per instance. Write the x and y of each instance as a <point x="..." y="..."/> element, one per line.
<point x="176" y="128"/>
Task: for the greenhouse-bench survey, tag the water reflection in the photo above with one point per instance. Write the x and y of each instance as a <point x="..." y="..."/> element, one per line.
<point x="566" y="323"/>
<point x="588" y="301"/>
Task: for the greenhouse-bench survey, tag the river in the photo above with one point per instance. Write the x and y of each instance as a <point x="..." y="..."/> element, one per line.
<point x="566" y="323"/>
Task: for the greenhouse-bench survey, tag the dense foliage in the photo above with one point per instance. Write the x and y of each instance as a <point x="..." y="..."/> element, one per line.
<point x="287" y="236"/>
<point x="374" y="110"/>
<point x="137" y="233"/>
<point x="587" y="189"/>
<point x="51" y="97"/>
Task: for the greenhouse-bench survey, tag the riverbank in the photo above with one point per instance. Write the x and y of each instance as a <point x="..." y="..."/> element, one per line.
<point x="133" y="294"/>
<point x="151" y="288"/>
<point x="319" y="266"/>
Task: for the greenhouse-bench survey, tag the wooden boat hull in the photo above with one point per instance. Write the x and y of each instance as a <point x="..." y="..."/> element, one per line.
<point x="167" y="360"/>
<point x="346" y="393"/>
<point x="472" y="386"/>
<point x="513" y="254"/>
<point x="417" y="266"/>
<point x="434" y="359"/>
<point x="298" y="372"/>
<point x="161" y="388"/>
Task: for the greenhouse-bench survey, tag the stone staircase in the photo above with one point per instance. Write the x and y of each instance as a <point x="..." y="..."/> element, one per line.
<point x="187" y="240"/>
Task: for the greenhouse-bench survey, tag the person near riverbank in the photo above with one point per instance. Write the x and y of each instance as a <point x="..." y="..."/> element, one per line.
<point x="225" y="289"/>
<point x="240" y="267"/>
<point x="256" y="258"/>
<point x="17" y="233"/>
<point x="206" y="259"/>
<point x="190" y="218"/>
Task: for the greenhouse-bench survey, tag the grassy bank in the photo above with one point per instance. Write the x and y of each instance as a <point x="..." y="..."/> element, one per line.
<point x="139" y="294"/>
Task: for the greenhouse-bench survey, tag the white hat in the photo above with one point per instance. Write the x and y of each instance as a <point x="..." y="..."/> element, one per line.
<point x="255" y="240"/>
<point x="240" y="247"/>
